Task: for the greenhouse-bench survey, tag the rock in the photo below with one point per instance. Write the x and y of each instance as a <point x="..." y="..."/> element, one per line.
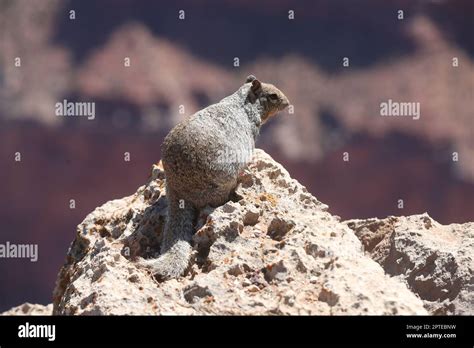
<point x="30" y="309"/>
<point x="435" y="261"/>
<point x="273" y="249"/>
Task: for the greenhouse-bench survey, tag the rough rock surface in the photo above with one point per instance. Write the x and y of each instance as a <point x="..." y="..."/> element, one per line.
<point x="273" y="249"/>
<point x="435" y="261"/>
<point x="30" y="309"/>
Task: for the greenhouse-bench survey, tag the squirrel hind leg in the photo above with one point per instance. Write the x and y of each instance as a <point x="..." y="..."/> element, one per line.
<point x="219" y="195"/>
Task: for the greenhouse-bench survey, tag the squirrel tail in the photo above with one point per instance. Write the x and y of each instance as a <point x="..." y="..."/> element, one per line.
<point x="176" y="243"/>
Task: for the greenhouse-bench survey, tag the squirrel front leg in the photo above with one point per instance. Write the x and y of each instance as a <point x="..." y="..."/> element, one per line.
<point x="176" y="242"/>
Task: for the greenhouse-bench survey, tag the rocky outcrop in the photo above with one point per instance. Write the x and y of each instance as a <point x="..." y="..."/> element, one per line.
<point x="272" y="249"/>
<point x="435" y="261"/>
<point x="30" y="309"/>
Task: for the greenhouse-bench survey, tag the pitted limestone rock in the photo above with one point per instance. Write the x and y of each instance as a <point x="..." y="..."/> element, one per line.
<point x="274" y="249"/>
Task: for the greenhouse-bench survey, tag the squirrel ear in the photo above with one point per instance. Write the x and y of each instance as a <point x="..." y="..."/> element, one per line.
<point x="256" y="86"/>
<point x="250" y="78"/>
<point x="255" y="91"/>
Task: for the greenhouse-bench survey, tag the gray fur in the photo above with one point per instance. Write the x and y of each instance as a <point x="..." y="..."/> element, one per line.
<point x="202" y="158"/>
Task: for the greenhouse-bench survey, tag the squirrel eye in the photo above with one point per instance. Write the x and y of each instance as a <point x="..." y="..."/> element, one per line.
<point x="273" y="96"/>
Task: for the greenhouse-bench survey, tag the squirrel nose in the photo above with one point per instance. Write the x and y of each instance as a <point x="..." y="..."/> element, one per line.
<point x="285" y="103"/>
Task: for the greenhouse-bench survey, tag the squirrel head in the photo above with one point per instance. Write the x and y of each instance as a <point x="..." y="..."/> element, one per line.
<point x="270" y="98"/>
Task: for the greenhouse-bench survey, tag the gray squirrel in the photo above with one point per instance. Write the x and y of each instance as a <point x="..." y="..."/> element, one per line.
<point x="202" y="159"/>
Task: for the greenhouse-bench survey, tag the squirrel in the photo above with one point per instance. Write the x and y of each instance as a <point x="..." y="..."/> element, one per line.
<point x="202" y="158"/>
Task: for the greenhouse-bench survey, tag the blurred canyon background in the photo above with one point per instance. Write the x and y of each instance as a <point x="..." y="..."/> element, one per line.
<point x="190" y="62"/>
